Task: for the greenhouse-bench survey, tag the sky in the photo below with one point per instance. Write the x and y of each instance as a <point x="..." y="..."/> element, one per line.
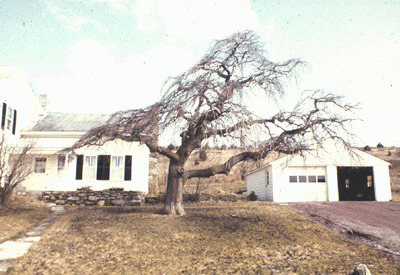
<point x="102" y="56"/>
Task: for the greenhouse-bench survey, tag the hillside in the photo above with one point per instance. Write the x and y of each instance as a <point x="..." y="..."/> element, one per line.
<point x="218" y="183"/>
<point x="393" y="158"/>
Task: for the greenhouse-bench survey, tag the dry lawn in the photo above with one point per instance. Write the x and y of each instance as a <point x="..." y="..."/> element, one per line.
<point x="213" y="238"/>
<point x="19" y="216"/>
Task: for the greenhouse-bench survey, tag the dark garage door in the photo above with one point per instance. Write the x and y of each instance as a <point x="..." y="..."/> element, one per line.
<point x="356" y="184"/>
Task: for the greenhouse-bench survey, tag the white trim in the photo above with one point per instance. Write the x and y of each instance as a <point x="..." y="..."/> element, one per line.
<point x="48" y="134"/>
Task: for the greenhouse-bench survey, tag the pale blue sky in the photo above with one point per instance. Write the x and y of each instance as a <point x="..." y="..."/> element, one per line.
<point x="99" y="56"/>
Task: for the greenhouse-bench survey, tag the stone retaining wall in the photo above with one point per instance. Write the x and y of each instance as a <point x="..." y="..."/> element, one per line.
<point x="101" y="198"/>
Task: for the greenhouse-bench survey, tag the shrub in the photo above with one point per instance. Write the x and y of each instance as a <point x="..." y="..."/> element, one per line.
<point x="117" y="189"/>
<point x="252" y="196"/>
<point x="86" y="188"/>
<point x="389" y="153"/>
<point x="171" y="147"/>
<point x="379" y="145"/>
<point x="367" y="148"/>
<point x="196" y="162"/>
<point x="203" y="155"/>
<point x="243" y="171"/>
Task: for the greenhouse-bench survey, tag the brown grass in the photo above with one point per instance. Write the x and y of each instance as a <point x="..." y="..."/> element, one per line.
<point x="213" y="238"/>
<point x="20" y="215"/>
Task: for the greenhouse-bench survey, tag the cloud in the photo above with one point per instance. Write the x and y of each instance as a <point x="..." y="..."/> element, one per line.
<point x="196" y="21"/>
<point x="68" y="16"/>
<point x="95" y="83"/>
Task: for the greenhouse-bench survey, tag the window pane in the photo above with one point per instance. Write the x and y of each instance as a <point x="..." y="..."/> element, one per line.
<point x="61" y="167"/>
<point x="9" y="113"/>
<point x="312" y="179"/>
<point x="40" y="165"/>
<point x="292" y="178"/>
<point x="302" y="178"/>
<point x="61" y="161"/>
<point x="116" y="161"/>
<point x="9" y="118"/>
<point x="369" y="180"/>
<point x="90" y="167"/>
<point x="321" y="178"/>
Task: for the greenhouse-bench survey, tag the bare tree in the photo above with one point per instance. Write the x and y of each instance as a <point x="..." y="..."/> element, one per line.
<point x="208" y="103"/>
<point x="15" y="166"/>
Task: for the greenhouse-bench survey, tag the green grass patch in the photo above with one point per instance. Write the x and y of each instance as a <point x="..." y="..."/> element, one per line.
<point x="19" y="216"/>
<point x="213" y="238"/>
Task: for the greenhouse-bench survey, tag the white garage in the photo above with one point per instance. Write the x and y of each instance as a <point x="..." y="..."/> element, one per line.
<point x="328" y="173"/>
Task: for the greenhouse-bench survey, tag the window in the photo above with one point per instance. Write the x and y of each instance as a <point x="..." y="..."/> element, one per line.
<point x="312" y="179"/>
<point x="40" y="165"/>
<point x="117" y="168"/>
<point x="347" y="183"/>
<point x="90" y="167"/>
<point x="321" y="179"/>
<point x="9" y="118"/>
<point x="292" y="178"/>
<point x="369" y="181"/>
<point x="104" y="167"/>
<point x="61" y="167"/>
<point x="302" y="178"/>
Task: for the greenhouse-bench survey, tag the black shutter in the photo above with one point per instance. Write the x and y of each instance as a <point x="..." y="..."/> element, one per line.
<point x="14" y="122"/>
<point x="79" y="167"/>
<point x="103" y="167"/>
<point x="3" y="116"/>
<point x="128" y="168"/>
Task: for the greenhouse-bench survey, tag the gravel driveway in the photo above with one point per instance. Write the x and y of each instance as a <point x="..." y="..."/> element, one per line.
<point x="374" y="223"/>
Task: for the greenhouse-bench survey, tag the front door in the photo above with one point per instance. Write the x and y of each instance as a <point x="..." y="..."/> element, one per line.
<point x="356" y="184"/>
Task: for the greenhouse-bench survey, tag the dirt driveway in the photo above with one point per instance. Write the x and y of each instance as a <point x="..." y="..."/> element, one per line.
<point x="374" y="223"/>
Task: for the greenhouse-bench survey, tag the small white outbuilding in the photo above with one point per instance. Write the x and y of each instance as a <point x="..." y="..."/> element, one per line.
<point x="330" y="172"/>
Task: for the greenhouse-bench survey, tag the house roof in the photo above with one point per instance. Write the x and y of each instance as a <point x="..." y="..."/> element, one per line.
<point x="7" y="71"/>
<point x="59" y="122"/>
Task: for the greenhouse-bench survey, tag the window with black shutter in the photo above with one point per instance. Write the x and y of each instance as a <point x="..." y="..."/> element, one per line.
<point x="14" y="127"/>
<point x="128" y="168"/>
<point x="79" y="167"/>
<point x="103" y="167"/>
<point x="3" y="116"/>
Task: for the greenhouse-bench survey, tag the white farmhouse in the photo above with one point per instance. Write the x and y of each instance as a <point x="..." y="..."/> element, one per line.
<point x="329" y="173"/>
<point x="115" y="164"/>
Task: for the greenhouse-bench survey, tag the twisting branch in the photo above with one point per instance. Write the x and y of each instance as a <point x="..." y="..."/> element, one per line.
<point x="206" y="104"/>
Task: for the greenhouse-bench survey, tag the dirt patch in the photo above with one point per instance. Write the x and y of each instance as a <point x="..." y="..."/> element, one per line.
<point x="376" y="224"/>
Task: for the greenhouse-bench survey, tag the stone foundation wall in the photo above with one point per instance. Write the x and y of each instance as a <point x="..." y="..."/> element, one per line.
<point x="100" y="198"/>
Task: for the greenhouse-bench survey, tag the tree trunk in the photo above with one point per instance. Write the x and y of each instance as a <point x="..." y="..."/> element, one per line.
<point x="173" y="197"/>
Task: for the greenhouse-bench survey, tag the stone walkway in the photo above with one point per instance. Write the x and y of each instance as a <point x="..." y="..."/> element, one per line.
<point x="14" y="249"/>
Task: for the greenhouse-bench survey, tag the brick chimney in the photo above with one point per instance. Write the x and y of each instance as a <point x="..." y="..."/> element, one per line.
<point x="43" y="101"/>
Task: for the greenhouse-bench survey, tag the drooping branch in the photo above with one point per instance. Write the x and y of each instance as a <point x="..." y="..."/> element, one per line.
<point x="211" y="102"/>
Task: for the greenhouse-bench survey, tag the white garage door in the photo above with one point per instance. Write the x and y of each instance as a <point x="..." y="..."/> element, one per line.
<point x="307" y="184"/>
